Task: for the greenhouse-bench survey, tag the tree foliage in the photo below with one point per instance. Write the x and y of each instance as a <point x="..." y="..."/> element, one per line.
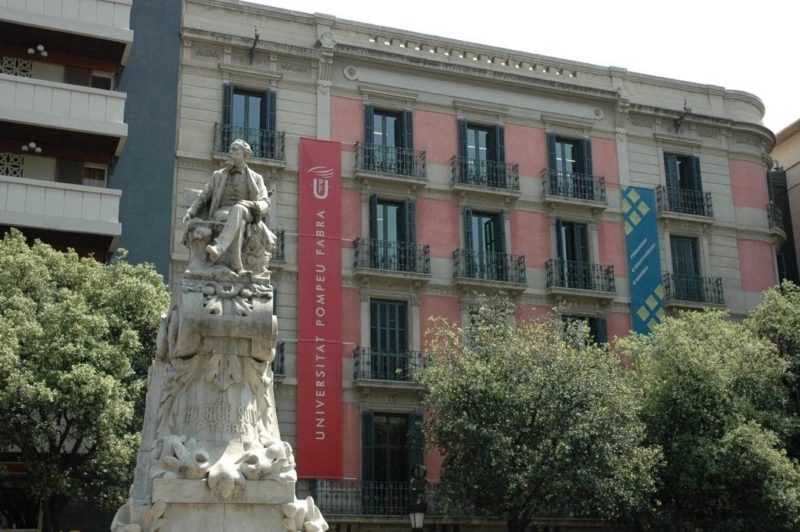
<point x="76" y="339"/>
<point x="713" y="401"/>
<point x="534" y="422"/>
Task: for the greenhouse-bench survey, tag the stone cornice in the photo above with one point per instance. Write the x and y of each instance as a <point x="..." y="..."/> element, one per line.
<point x="227" y="39"/>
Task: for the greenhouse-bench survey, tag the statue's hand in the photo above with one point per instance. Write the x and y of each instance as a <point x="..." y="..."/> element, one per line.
<point x="186" y="217"/>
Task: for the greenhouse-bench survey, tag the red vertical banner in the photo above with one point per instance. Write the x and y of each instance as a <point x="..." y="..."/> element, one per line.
<point x="319" y="311"/>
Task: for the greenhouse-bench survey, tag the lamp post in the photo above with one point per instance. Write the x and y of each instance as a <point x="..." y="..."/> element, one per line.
<point x="417" y="506"/>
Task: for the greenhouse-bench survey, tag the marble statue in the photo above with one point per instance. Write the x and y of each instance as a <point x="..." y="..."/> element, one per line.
<point x="211" y="456"/>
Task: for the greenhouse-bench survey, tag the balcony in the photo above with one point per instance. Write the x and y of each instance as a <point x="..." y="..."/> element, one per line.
<point x="692" y="291"/>
<point x="352" y="497"/>
<point x="775" y="221"/>
<point x="73" y="108"/>
<point x="572" y="278"/>
<point x="400" y="260"/>
<point x="269" y="146"/>
<point x="485" y="176"/>
<point x="681" y="202"/>
<point x="81" y="22"/>
<point x="574" y="188"/>
<point x="379" y="366"/>
<point x="481" y="269"/>
<point x="59" y="207"/>
<point x="389" y="163"/>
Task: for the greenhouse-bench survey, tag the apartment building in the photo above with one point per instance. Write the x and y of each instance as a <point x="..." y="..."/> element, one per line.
<point x="452" y="168"/>
<point x="785" y="195"/>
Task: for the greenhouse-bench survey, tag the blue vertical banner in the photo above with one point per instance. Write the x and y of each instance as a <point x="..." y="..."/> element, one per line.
<point x="644" y="258"/>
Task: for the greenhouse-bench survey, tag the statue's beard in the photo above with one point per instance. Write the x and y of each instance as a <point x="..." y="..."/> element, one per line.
<point x="231" y="163"/>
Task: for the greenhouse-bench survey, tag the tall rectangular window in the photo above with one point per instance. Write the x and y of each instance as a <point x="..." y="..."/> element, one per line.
<point x="388" y="326"/>
<point x="572" y="245"/>
<point x="250" y="116"/>
<point x="388" y="141"/>
<point x="392" y="230"/>
<point x="391" y="447"/>
<point x="686" y="268"/>
<point x="484" y="240"/>
<point x="570" y="165"/>
<point x="594" y="328"/>
<point x="482" y="154"/>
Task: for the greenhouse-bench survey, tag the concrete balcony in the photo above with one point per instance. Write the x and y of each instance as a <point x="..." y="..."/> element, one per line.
<point x="52" y="105"/>
<point x="59" y="207"/>
<point x="108" y="20"/>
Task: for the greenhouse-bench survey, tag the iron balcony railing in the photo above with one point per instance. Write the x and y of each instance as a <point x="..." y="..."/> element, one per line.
<point x="693" y="288"/>
<point x="774" y="216"/>
<point x="378" y="365"/>
<point x="279" y="253"/>
<point x="487" y="174"/>
<point x="265" y="144"/>
<point x="392" y="256"/>
<point x="580" y="275"/>
<point x="390" y="160"/>
<point x="472" y="264"/>
<point x="353" y="497"/>
<point x="684" y="201"/>
<point x="278" y="363"/>
<point x="573" y="185"/>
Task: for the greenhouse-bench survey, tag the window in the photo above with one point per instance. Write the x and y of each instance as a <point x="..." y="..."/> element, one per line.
<point x="684" y="185"/>
<point x="392" y="229"/>
<point x="388" y="327"/>
<point x="102" y="80"/>
<point x="81" y="173"/>
<point x="481" y="154"/>
<point x="389" y="141"/>
<point x="572" y="245"/>
<point x="484" y="240"/>
<point x="594" y="327"/>
<point x="94" y="175"/>
<point x="249" y="115"/>
<point x="686" y="269"/>
<point x="391" y="447"/>
<point x="570" y="164"/>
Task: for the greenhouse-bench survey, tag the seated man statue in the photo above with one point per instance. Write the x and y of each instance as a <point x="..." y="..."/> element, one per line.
<point x="236" y="198"/>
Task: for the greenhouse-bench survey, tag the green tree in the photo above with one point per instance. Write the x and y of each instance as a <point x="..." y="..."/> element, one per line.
<point x="777" y="319"/>
<point x="713" y="400"/>
<point x="76" y="339"/>
<point x="533" y="422"/>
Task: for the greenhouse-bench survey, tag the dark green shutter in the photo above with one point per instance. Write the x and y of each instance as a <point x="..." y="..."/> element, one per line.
<point x="467" y="228"/>
<point x="415" y="441"/>
<point x="369" y="124"/>
<point x="373" y="216"/>
<point x="551" y="151"/>
<point x="410" y="221"/>
<point x="271" y="98"/>
<point x="671" y="168"/>
<point x="499" y="145"/>
<point x="685" y="261"/>
<point x="226" y="136"/>
<point x="581" y="242"/>
<point x="586" y="156"/>
<point x="697" y="182"/>
<point x="560" y="240"/>
<point x="408" y="130"/>
<point x="600" y="331"/>
<point x="499" y="233"/>
<point x="367" y="446"/>
<point x="462" y="137"/>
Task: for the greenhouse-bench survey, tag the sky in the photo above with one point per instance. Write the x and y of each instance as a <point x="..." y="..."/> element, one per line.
<point x="746" y="46"/>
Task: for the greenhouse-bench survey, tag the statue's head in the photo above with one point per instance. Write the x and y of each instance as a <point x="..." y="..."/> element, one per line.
<point x="240" y="150"/>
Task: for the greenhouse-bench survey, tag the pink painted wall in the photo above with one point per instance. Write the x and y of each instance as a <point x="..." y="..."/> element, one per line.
<point x="351" y="429"/>
<point x="436" y="134"/>
<point x="444" y="307"/>
<point x="351" y="216"/>
<point x="604" y="160"/>
<point x="527" y="147"/>
<point x="437" y="225"/>
<point x="434" y="460"/>
<point x="611" y="243"/>
<point x="748" y="184"/>
<point x="530" y="236"/>
<point x="618" y="325"/>
<point x="347" y="119"/>
<point x="529" y="313"/>
<point x="756" y="259"/>
<point x="351" y="322"/>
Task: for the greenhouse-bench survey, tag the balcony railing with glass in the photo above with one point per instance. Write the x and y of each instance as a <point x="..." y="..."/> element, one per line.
<point x="573" y="185"/>
<point x="479" y="265"/>
<point x="684" y="201"/>
<point x="775" y="218"/>
<point x="391" y="160"/>
<point x="570" y="274"/>
<point x="392" y="256"/>
<point x="264" y="143"/>
<point x="485" y="174"/>
<point x="353" y="497"/>
<point x="279" y="362"/>
<point x="693" y="289"/>
<point x="377" y="365"/>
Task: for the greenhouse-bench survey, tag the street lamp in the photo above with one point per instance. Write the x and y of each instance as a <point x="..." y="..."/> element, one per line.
<point x="417" y="506"/>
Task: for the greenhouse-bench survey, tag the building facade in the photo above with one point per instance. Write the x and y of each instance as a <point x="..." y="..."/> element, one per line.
<point x="785" y="193"/>
<point x="464" y="169"/>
